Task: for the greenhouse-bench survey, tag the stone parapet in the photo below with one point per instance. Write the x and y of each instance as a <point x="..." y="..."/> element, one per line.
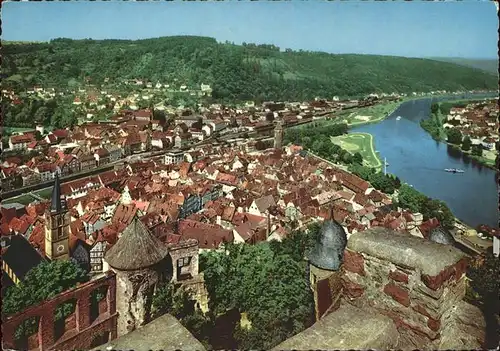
<point x="348" y="328"/>
<point x="163" y="333"/>
<point x="80" y="332"/>
<point x="413" y="281"/>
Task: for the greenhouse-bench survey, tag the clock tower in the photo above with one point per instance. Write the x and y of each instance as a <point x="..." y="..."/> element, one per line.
<point x="57" y="219"/>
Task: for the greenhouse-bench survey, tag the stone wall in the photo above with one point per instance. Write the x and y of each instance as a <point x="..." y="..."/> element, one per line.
<point x="163" y="333"/>
<point x="327" y="290"/>
<point x="81" y="329"/>
<point x="185" y="249"/>
<point x="415" y="282"/>
<point x="134" y="292"/>
<point x="347" y="328"/>
<point x="196" y="288"/>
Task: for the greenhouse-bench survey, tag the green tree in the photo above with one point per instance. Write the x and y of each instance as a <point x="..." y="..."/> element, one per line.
<point x="41" y="114"/>
<point x="434" y="108"/>
<point x="483" y="291"/>
<point x="160" y="116"/>
<point x="347" y="158"/>
<point x="382" y="182"/>
<point x="484" y="275"/>
<point x="357" y="158"/>
<point x="270" y="287"/>
<point x="410" y="198"/>
<point x="477" y="150"/>
<point x="41" y="283"/>
<point x="454" y="136"/>
<point x="361" y="171"/>
<point x="178" y="302"/>
<point x="298" y="243"/>
<point x="466" y="143"/>
<point x="432" y="208"/>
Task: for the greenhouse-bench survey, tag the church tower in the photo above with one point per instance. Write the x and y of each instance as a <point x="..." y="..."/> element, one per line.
<point x="278" y="135"/>
<point x="57" y="219"/>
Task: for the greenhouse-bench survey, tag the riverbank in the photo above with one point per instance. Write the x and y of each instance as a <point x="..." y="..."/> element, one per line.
<point x="487" y="162"/>
<point x="418" y="159"/>
<point x="362" y="143"/>
<point x="434" y="126"/>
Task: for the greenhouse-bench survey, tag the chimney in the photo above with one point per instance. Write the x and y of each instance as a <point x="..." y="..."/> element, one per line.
<point x="219" y="220"/>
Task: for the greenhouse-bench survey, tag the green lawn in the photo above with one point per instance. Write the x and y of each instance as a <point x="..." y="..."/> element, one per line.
<point x="370" y="114"/>
<point x="23" y="200"/>
<point x="45" y="193"/>
<point x="362" y="143"/>
<point x="10" y="130"/>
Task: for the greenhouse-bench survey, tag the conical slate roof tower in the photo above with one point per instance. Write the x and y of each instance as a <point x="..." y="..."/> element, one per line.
<point x="441" y="236"/>
<point x="328" y="253"/>
<point x="136" y="249"/>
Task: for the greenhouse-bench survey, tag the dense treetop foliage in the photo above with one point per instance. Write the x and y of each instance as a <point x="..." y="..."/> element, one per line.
<point x="41" y="283"/>
<point x="483" y="291"/>
<point x="177" y="301"/>
<point x="454" y="136"/>
<point x="267" y="282"/>
<point x="249" y="71"/>
<point x="415" y="201"/>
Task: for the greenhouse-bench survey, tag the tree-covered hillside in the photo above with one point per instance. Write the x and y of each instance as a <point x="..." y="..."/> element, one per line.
<point x="235" y="72"/>
<point x="488" y="65"/>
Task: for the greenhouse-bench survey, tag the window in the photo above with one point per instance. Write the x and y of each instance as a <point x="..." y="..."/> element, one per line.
<point x="183" y="262"/>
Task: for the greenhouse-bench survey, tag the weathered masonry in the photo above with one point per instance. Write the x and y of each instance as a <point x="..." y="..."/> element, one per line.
<point x="91" y="324"/>
<point x="389" y="290"/>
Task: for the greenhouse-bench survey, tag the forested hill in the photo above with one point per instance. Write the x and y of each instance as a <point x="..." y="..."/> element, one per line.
<point x="235" y="72"/>
<point x="488" y="65"/>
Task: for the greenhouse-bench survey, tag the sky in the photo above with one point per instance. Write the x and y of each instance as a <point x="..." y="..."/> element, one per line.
<point x="466" y="29"/>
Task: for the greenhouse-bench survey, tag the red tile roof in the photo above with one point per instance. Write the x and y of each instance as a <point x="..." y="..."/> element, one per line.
<point x="209" y="236"/>
<point x="37" y="237"/>
<point x="60" y="133"/>
<point x="24" y="138"/>
<point x="124" y="214"/>
<point x="228" y="179"/>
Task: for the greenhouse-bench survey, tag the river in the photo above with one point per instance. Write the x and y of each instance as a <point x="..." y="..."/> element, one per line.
<point x="419" y="160"/>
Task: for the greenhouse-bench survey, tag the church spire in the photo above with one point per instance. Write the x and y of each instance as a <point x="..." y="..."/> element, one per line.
<point x="55" y="205"/>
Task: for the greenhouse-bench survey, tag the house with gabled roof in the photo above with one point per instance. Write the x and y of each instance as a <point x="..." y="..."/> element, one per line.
<point x="20" y="142"/>
<point x="209" y="236"/>
<point x="261" y="205"/>
<point x="18" y="258"/>
<point x="102" y="156"/>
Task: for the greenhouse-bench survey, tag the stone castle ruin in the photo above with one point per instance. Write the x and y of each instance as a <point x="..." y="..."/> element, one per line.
<point x="141" y="262"/>
<point x="385" y="289"/>
<point x="376" y="289"/>
<point x="136" y="266"/>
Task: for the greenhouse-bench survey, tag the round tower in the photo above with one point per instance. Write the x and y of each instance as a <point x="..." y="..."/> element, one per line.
<point x="325" y="261"/>
<point x="140" y="262"/>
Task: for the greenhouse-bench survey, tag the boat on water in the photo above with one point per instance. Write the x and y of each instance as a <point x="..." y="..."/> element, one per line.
<point x="454" y="170"/>
<point x="398" y="118"/>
